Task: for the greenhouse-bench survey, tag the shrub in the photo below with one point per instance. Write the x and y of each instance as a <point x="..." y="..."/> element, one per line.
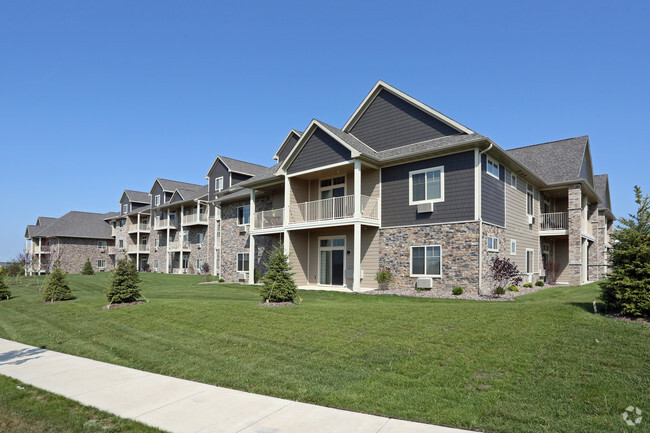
<point x="528" y="285"/>
<point x="205" y="268"/>
<point x="278" y="284"/>
<point x="14" y="269"/>
<point x="221" y="280"/>
<point x="88" y="268"/>
<point x="5" y="293"/>
<point x="457" y="291"/>
<point x="505" y="272"/>
<point x="627" y="287"/>
<point x="513" y="288"/>
<point x="124" y="283"/>
<point x="57" y="288"/>
<point x="539" y="283"/>
<point x="384" y="277"/>
<point x="499" y="291"/>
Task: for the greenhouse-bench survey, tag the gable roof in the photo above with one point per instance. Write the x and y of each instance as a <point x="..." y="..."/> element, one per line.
<point x="77" y="224"/>
<point x="384" y="86"/>
<point x="136" y="196"/>
<point x="291" y="134"/>
<point x="237" y="166"/>
<point x="172" y="185"/>
<point x="601" y="185"/>
<point x="555" y="161"/>
<point x="183" y="195"/>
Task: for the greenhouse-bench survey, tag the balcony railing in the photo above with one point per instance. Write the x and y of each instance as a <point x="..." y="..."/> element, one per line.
<point x="138" y="248"/>
<point x="554" y="221"/>
<point x="191" y="219"/>
<point x="165" y="223"/>
<point x="134" y="228"/>
<point x="179" y="246"/>
<point x="333" y="208"/>
<point x="269" y="219"/>
<point x="43" y="249"/>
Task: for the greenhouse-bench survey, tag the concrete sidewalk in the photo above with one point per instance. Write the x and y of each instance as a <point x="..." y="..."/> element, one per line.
<point x="178" y="405"/>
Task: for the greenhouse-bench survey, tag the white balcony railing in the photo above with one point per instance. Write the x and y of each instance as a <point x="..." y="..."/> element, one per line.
<point x="333" y="209"/>
<point x="165" y="223"/>
<point x="269" y="219"/>
<point x="554" y="221"/>
<point x="140" y="248"/>
<point x="43" y="249"/>
<point x="201" y="218"/>
<point x="142" y="227"/>
<point x="179" y="246"/>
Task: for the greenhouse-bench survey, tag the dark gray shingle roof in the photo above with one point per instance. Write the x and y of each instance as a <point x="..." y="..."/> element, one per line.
<point x="555" y="161"/>
<point x="137" y="196"/>
<point x="350" y="140"/>
<point x="173" y="185"/>
<point x="186" y="194"/>
<point x="77" y="224"/>
<point x="243" y="166"/>
<point x="428" y="146"/>
<point x="601" y="185"/>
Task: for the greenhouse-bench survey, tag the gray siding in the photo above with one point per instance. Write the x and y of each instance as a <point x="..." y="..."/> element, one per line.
<point x="288" y="146"/>
<point x="458" y="190"/>
<point x="321" y="149"/>
<point x="391" y="122"/>
<point x="493" y="207"/>
<point x="238" y="177"/>
<point x="218" y="170"/>
<point x="157" y="189"/>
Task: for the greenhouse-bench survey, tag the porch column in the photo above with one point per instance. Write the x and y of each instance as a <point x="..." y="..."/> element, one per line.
<point x="167" y="253"/>
<point x="251" y="241"/>
<point x="287" y="201"/>
<point x="575" y="234"/>
<point x="137" y="245"/>
<point x="26" y="252"/>
<point x="181" y="241"/>
<point x="40" y="254"/>
<point x="356" y="282"/>
<point x="357" y="190"/>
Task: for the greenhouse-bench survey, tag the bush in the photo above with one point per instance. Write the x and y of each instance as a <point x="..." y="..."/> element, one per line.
<point x="278" y="284"/>
<point x="627" y="287"/>
<point x="513" y="288"/>
<point x="457" y="291"/>
<point x="257" y="275"/>
<point x="15" y="269"/>
<point x="88" y="268"/>
<point x="384" y="277"/>
<point x="124" y="283"/>
<point x="5" y="293"/>
<point x="205" y="269"/>
<point x="540" y="284"/>
<point x="57" y="288"/>
<point x="528" y="285"/>
<point x="499" y="291"/>
<point x="505" y="272"/>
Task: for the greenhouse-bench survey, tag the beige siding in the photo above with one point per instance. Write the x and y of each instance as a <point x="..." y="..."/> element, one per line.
<point x="298" y="253"/>
<point x="348" y="232"/>
<point x="370" y="182"/>
<point x="369" y="255"/>
<point x="562" y="258"/>
<point x="517" y="227"/>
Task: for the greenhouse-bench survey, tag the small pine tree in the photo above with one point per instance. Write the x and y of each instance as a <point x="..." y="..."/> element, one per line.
<point x="57" y="288"/>
<point x="124" y="283"/>
<point x="88" y="268"/>
<point x="627" y="287"/>
<point x="278" y="284"/>
<point x="4" y="290"/>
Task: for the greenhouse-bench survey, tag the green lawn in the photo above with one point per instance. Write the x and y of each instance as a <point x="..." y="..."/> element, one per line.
<point x="31" y="410"/>
<point x="542" y="363"/>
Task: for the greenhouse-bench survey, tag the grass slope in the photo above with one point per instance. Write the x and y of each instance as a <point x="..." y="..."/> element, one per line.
<point x="541" y="363"/>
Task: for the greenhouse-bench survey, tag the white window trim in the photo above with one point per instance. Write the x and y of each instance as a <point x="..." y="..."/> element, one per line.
<point x="442" y="185"/>
<point x="202" y="238"/>
<point x="217" y="189"/>
<point x="513" y="180"/>
<point x="487" y="167"/>
<point x="343" y="185"/>
<point x="157" y="200"/>
<point x="425" y="261"/>
<point x="513" y="251"/>
<point x="530" y="190"/>
<point x="532" y="264"/>
<point x="332" y="248"/>
<point x="125" y="208"/>
<point x="249" y="216"/>
<point x="99" y="263"/>
<point x="249" y="261"/>
<point x="494" y="239"/>
<point x="102" y="244"/>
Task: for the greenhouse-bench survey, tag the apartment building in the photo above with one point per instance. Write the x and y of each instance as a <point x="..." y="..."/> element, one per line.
<point x="399" y="186"/>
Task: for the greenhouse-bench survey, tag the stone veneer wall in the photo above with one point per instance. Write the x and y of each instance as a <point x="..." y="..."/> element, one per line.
<point x="575" y="234"/>
<point x="196" y="252"/>
<point x="459" y="253"/>
<point x="232" y="240"/>
<point x="488" y="283"/>
<point x="161" y="254"/>
<point x="594" y="259"/>
<point x="75" y="251"/>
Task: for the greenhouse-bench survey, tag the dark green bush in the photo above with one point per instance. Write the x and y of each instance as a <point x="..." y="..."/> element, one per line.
<point x="57" y="288"/>
<point x="124" y="283"/>
<point x="278" y="284"/>
<point x="457" y="291"/>
<point x="384" y="277"/>
<point x="88" y="268"/>
<point x="5" y="293"/>
<point x="499" y="291"/>
<point x="513" y="288"/>
<point x="528" y="285"/>
<point x="540" y="284"/>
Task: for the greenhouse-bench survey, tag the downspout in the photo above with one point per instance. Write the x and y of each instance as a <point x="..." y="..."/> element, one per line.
<point x="480" y="223"/>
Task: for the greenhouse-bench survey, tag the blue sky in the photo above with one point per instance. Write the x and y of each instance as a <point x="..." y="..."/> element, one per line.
<point x="98" y="97"/>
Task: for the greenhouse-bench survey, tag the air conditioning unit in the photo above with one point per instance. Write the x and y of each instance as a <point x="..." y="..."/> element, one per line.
<point x="242" y="275"/>
<point x="243" y="229"/>
<point x="155" y="248"/>
<point x="102" y="250"/>
<point x="425" y="283"/>
<point x="425" y="207"/>
<point x="199" y="246"/>
<point x="531" y="219"/>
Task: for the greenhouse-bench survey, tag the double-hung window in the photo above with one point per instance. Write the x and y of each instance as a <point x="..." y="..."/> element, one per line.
<point x="493" y="243"/>
<point x="125" y="209"/>
<point x="101" y="264"/>
<point x="426" y="261"/>
<point x="157" y="200"/>
<point x="427" y="185"/>
<point x="242" y="262"/>
<point x="493" y="168"/>
<point x="102" y="245"/>
<point x="243" y="215"/>
<point x="218" y="184"/>
<point x="199" y="238"/>
<point x="530" y="199"/>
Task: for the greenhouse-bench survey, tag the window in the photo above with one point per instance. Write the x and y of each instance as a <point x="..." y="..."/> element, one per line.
<point x="513" y="247"/>
<point x="426" y="261"/>
<point x="101" y="264"/>
<point x="333" y="187"/>
<point x="493" y="243"/>
<point x="125" y="209"/>
<point x="243" y="215"/>
<point x="121" y="243"/>
<point x="121" y="223"/>
<point x="143" y="240"/>
<point x="199" y="264"/>
<point x="492" y="168"/>
<point x="427" y="185"/>
<point x="155" y="264"/>
<point x="218" y="184"/>
<point x="513" y="180"/>
<point x="242" y="262"/>
<point x="156" y="242"/>
<point x="157" y="200"/>
<point x="102" y="244"/>
<point x="186" y="262"/>
<point x="171" y="237"/>
<point x="530" y="199"/>
<point x="529" y="261"/>
<point x="199" y="238"/>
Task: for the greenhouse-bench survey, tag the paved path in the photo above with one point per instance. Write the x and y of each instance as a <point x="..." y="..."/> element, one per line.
<point x="178" y="405"/>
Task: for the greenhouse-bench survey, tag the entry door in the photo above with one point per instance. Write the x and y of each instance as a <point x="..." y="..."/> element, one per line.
<point x="332" y="261"/>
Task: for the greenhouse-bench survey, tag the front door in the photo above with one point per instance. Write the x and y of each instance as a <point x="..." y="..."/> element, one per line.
<point x="331" y="261"/>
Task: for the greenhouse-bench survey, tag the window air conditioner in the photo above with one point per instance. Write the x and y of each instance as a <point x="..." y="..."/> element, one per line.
<point x="425" y="207"/>
<point x="242" y="275"/>
<point x="243" y="229"/>
<point x="425" y="283"/>
<point x="531" y="219"/>
<point x="102" y="250"/>
<point x="199" y="246"/>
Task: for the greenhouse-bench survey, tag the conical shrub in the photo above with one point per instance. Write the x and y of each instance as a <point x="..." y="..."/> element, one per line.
<point x="57" y="288"/>
<point x="124" y="283"/>
<point x="88" y="268"/>
<point x="5" y="293"/>
<point x="278" y="284"/>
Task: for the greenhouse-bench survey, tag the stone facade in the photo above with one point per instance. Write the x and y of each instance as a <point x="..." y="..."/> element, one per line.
<point x="73" y="253"/>
<point x="488" y="283"/>
<point x="575" y="234"/>
<point x="234" y="239"/>
<point x="459" y="253"/>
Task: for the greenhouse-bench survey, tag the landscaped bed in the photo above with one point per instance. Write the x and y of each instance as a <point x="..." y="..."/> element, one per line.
<point x="543" y="362"/>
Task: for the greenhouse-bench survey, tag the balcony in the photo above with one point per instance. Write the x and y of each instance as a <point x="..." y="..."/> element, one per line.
<point x="195" y="219"/>
<point x="43" y="249"/>
<point x="269" y="219"/>
<point x="138" y="249"/>
<point x="178" y="246"/>
<point x="332" y="209"/>
<point x="554" y="224"/>
<point x="166" y="223"/>
<point x="140" y="228"/>
<point x="112" y="250"/>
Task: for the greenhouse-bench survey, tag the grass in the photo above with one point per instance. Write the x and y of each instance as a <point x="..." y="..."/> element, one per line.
<point x="31" y="410"/>
<point x="544" y="363"/>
